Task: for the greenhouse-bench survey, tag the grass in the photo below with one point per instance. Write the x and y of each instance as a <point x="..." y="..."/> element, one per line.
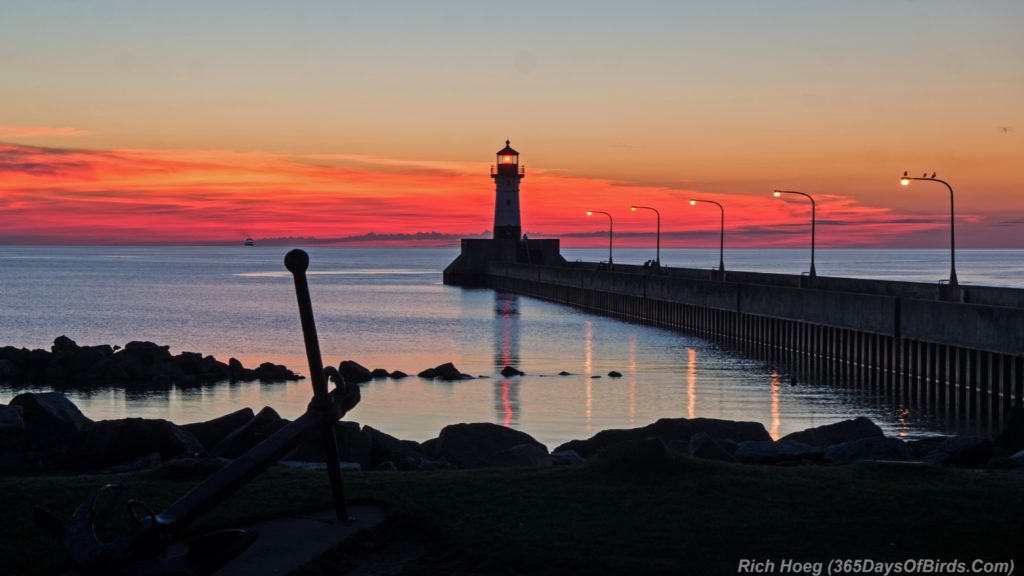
<point x="701" y="517"/>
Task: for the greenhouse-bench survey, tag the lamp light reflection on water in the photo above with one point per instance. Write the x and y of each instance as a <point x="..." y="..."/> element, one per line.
<point x="773" y="431"/>
<point x="588" y="368"/>
<point x="691" y="383"/>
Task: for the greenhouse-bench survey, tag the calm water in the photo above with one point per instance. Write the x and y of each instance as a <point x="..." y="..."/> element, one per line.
<point x="387" y="308"/>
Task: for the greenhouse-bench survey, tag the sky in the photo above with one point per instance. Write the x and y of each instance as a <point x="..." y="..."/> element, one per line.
<point x="190" y="122"/>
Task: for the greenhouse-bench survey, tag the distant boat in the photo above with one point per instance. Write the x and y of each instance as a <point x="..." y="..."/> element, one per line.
<point x="250" y="242"/>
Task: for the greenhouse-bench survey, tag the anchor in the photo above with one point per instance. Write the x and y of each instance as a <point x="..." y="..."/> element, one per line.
<point x="144" y="549"/>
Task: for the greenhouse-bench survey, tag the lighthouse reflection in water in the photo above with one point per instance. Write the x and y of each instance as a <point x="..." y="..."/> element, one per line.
<point x="506" y="353"/>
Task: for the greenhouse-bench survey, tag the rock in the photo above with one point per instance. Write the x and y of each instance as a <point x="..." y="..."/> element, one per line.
<point x="924" y="446"/>
<point x="1011" y="438"/>
<point x="668" y="429"/>
<point x="646" y="455"/>
<point x="614" y="374"/>
<point x="379" y="373"/>
<point x="564" y="373"/>
<point x="354" y="373"/>
<point x="702" y="445"/>
<point x="566" y="458"/>
<point x="212" y="432"/>
<point x="13" y="442"/>
<point x="429" y="373"/>
<point x="837" y="433"/>
<point x="353" y="445"/>
<point x="509" y="371"/>
<point x="112" y="442"/>
<point x="966" y="451"/>
<point x="50" y="419"/>
<point x="161" y="381"/>
<point x="10" y="419"/>
<point x="141" y="361"/>
<point x="447" y="371"/>
<point x="870" y="448"/>
<point x="256" y="430"/>
<point x="145" y="462"/>
<point x="386" y="447"/>
<point x="9" y="370"/>
<point x="398" y="375"/>
<point x="270" y="372"/>
<point x="595" y="377"/>
<point x="528" y="455"/>
<point x="475" y="445"/>
<point x="430" y="447"/>
<point x="783" y="451"/>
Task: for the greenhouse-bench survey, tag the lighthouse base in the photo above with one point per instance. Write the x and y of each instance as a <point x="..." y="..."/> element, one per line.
<point x="478" y="255"/>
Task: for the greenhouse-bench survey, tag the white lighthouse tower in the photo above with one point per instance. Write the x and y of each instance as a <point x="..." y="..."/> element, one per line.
<point x="507" y="174"/>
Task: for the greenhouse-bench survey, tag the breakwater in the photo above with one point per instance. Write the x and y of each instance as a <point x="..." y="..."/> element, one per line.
<point x="958" y="356"/>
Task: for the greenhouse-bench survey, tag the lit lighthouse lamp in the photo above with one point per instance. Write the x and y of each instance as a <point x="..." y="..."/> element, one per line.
<point x="507" y="174"/>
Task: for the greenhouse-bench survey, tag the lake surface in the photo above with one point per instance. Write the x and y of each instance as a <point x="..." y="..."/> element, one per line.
<point x="386" y="307"/>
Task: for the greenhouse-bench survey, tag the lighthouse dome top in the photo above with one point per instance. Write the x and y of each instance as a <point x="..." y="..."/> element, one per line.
<point x="507" y="150"/>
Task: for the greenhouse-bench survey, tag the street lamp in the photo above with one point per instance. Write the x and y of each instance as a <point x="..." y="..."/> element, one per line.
<point x="721" y="236"/>
<point x="657" y="252"/>
<point x="778" y="194"/>
<point x="905" y="180"/>
<point x="610" y="233"/>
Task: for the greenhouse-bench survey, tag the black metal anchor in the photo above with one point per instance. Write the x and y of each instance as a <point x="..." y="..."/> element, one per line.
<point x="143" y="550"/>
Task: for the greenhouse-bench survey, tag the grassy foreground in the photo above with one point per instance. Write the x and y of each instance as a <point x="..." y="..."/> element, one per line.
<point x="701" y="517"/>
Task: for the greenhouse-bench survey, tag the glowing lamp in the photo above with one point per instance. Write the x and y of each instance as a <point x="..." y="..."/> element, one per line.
<point x="693" y="202"/>
<point x="589" y="213"/>
<point x="778" y="194"/>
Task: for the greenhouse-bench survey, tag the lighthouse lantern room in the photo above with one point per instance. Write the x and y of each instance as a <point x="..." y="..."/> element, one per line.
<point x="507" y="175"/>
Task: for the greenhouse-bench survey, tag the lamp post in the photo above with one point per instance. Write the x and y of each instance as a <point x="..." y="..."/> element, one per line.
<point x="721" y="235"/>
<point x="657" y="249"/>
<point x="610" y="233"/>
<point x="778" y="194"/>
<point x="905" y="180"/>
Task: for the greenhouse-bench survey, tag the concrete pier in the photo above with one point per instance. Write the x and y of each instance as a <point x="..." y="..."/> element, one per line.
<point x="959" y="359"/>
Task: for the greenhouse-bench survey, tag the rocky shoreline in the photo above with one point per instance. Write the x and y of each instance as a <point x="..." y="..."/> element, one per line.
<point x="136" y="365"/>
<point x="43" y="433"/>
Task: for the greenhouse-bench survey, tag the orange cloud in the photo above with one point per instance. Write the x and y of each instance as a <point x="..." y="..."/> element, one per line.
<point x="65" y="195"/>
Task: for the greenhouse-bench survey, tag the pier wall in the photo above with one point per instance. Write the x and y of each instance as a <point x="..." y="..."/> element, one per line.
<point x="961" y="360"/>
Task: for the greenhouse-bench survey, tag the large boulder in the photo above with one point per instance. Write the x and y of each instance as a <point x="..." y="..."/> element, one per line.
<point x="112" y="442"/>
<point x="634" y="456"/>
<point x="50" y="419"/>
<point x="870" y="448"/>
<point x="354" y="373"/>
<point x="446" y="371"/>
<point x="528" y="455"/>
<point x="966" y="451"/>
<point x="256" y="430"/>
<point x="509" y="371"/>
<point x="702" y="445"/>
<point x="13" y="441"/>
<point x="669" y="429"/>
<point x="384" y="447"/>
<point x="837" y="433"/>
<point x="1011" y="438"/>
<point x="142" y="362"/>
<point x="353" y="445"/>
<point x="783" y="451"/>
<point x="474" y="445"/>
<point x="212" y="432"/>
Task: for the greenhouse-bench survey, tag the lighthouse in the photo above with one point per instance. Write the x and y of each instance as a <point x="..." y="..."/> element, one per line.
<point x="508" y="246"/>
<point x="507" y="173"/>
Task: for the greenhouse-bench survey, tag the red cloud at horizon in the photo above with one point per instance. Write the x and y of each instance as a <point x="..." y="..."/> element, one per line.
<point x="61" y="195"/>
